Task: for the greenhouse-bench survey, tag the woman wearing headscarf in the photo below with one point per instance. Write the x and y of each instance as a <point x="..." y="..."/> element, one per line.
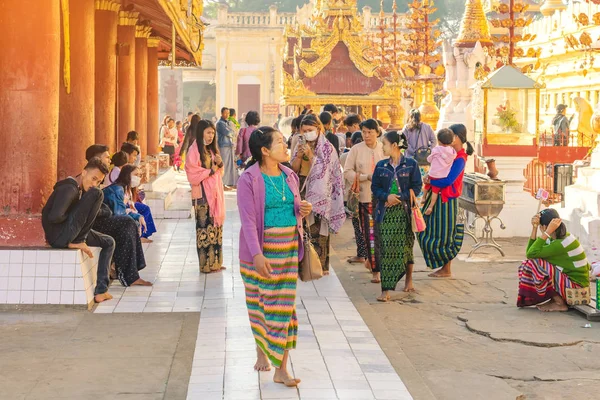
<point x="321" y="181"/>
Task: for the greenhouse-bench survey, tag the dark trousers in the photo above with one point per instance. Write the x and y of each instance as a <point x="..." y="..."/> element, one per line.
<point x="78" y="229"/>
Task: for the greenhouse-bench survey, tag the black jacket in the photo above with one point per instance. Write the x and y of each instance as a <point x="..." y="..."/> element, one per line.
<point x="54" y="214"/>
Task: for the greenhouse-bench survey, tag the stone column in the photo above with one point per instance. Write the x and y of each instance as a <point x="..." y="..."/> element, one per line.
<point x="153" y="117"/>
<point x="126" y="74"/>
<point x="29" y="84"/>
<point x="142" y="33"/>
<point x="76" y="111"/>
<point x="107" y="18"/>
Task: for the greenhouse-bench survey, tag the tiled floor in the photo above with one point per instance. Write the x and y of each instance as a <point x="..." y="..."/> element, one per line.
<point x="337" y="356"/>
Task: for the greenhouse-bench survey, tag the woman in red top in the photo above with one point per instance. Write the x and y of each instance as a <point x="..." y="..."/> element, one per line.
<point x="443" y="238"/>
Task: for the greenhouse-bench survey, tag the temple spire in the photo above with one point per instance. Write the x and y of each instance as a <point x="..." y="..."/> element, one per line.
<point x="474" y="26"/>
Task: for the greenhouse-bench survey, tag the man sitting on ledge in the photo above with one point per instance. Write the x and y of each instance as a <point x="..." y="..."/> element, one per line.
<point x="68" y="217"/>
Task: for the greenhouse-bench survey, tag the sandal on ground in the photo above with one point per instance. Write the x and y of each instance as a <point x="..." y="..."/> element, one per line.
<point x="355" y="260"/>
<point x="375" y="280"/>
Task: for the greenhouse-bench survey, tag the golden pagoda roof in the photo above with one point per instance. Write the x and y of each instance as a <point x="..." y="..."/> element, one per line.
<point x="474" y="26"/>
<point x="326" y="57"/>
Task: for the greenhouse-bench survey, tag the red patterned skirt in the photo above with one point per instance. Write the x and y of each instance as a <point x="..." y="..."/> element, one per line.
<point x="539" y="281"/>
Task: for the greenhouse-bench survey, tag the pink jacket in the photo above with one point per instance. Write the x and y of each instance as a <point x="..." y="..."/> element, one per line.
<point x="251" y="204"/>
<point x="200" y="177"/>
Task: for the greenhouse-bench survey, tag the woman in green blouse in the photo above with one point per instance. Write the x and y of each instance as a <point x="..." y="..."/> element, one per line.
<point x="555" y="262"/>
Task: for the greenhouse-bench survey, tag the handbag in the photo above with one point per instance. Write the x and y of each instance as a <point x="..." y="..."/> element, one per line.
<point x="577" y="296"/>
<point x="310" y="268"/>
<point x="422" y="153"/>
<point x="416" y="217"/>
<point x="354" y="198"/>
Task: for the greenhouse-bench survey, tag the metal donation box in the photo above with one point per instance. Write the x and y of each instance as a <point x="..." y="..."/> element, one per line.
<point x="483" y="197"/>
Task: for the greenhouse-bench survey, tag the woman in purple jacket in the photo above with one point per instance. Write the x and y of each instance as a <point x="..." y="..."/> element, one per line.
<point x="271" y="212"/>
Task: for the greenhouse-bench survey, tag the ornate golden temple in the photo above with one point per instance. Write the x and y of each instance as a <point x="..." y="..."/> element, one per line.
<point x="326" y="61"/>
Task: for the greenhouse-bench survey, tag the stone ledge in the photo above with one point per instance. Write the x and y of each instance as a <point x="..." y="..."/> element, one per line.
<point x="48" y="276"/>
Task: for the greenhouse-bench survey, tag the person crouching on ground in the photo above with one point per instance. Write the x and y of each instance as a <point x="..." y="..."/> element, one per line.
<point x="555" y="262"/>
<point x="271" y="213"/>
<point x="69" y="214"/>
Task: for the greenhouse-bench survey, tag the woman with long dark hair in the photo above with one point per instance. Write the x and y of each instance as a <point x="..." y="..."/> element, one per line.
<point x="321" y="184"/>
<point x="396" y="183"/>
<point x="271" y="247"/>
<point x="443" y="238"/>
<point x="129" y="255"/>
<point x="204" y="169"/>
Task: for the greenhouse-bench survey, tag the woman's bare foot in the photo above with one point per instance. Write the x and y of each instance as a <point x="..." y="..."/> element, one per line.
<point x="376" y="278"/>
<point x="408" y="286"/>
<point x="368" y="265"/>
<point x="262" y="361"/>
<point x="554" y="305"/>
<point x="384" y="298"/>
<point x="440" y="274"/>
<point x="356" y="260"/>
<point x="283" y="376"/>
<point x="141" y="282"/>
<point x="99" y="298"/>
<point x="146" y="240"/>
<point x="325" y="273"/>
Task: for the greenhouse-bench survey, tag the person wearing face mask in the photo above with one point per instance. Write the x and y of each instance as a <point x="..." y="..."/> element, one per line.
<point x="317" y="164"/>
<point x="360" y="165"/>
<point x="395" y="184"/>
<point x="204" y="169"/>
<point x="129" y="256"/>
<point x="271" y="213"/>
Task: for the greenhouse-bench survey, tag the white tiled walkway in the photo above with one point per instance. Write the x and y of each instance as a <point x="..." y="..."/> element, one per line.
<point x="337" y="356"/>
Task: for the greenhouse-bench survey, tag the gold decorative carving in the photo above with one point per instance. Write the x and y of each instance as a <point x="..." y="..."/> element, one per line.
<point x="108" y="5"/>
<point x="153" y="41"/>
<point x="294" y="87"/>
<point x="143" y="31"/>
<point x="474" y="26"/>
<point x="128" y="18"/>
<point x="64" y="6"/>
<point x="188" y="25"/>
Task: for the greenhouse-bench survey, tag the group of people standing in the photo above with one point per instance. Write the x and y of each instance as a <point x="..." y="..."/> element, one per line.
<point x="297" y="191"/>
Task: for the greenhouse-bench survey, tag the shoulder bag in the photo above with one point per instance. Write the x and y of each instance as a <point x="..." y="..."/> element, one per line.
<point x="354" y="197"/>
<point x="416" y="217"/>
<point x="310" y="268"/>
<point x="422" y="153"/>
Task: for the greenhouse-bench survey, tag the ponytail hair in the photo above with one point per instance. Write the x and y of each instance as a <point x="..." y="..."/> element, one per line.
<point x="261" y="137"/>
<point x="461" y="131"/>
<point x="397" y="137"/>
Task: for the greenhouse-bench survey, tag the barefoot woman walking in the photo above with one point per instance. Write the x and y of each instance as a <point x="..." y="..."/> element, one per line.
<point x="271" y="212"/>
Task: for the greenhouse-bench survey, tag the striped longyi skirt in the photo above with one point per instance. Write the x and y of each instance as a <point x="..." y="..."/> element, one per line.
<point x="539" y="281"/>
<point x="272" y="302"/>
<point x="442" y="240"/>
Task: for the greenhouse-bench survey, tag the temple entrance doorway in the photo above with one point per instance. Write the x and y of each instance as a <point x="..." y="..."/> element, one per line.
<point x="248" y="98"/>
